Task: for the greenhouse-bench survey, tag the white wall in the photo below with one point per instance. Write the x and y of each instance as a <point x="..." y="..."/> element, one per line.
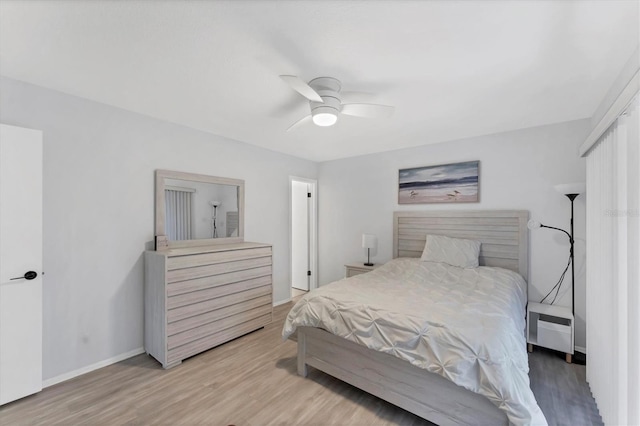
<point x="517" y="171"/>
<point x="98" y="212"/>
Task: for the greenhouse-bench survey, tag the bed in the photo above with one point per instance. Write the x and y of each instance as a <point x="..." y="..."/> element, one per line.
<point x="411" y="356"/>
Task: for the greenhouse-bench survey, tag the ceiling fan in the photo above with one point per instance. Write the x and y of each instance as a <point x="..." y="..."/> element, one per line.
<point x="326" y="102"/>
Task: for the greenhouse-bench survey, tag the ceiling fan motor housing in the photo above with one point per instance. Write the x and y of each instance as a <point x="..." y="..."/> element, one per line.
<point x="327" y="111"/>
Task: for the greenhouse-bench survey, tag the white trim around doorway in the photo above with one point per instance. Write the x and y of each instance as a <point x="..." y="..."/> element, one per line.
<point x="313" y="230"/>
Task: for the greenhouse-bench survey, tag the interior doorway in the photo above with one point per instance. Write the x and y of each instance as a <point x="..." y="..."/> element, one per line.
<point x="303" y="232"/>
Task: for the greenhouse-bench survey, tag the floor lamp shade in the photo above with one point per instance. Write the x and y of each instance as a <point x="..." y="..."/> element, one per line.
<point x="571" y="188"/>
<point x="369" y="242"/>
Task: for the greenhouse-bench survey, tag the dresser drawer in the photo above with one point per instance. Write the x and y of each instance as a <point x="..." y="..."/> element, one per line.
<point x="193" y="322"/>
<point x="174" y="289"/>
<point x="216" y="269"/>
<point x="181" y="262"/>
<point x="215" y="292"/>
<point x="213" y="304"/>
<point x="214" y="327"/>
<point x="216" y="339"/>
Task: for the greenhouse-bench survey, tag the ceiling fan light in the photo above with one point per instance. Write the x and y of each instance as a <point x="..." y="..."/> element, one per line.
<point x="325" y="119"/>
<point x="324" y="115"/>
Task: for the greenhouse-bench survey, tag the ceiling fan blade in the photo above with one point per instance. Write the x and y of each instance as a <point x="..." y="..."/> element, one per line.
<point x="301" y="122"/>
<point x="301" y="87"/>
<point x="367" y="110"/>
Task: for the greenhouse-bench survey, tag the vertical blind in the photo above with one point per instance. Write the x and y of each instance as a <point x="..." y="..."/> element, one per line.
<point x="178" y="214"/>
<point x="613" y="270"/>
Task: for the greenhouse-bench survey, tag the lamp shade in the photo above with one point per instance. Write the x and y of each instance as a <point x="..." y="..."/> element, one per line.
<point x="369" y="241"/>
<point x="571" y="188"/>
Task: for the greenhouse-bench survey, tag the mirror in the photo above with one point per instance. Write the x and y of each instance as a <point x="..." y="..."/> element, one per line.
<point x="193" y="209"/>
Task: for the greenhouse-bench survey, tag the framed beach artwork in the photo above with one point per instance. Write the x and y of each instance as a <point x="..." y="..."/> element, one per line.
<point x="445" y="183"/>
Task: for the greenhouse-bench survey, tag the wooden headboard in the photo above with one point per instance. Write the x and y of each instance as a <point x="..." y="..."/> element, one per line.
<point x="503" y="233"/>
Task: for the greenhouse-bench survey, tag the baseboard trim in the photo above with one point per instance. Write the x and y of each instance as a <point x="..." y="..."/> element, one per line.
<point x="282" y="302"/>
<point x="84" y="370"/>
<point x="580" y="349"/>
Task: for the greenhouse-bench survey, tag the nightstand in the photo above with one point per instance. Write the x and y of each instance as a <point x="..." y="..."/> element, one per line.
<point x="550" y="327"/>
<point x="357" y="269"/>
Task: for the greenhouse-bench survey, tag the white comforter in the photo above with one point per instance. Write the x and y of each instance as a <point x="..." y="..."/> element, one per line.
<point x="466" y="325"/>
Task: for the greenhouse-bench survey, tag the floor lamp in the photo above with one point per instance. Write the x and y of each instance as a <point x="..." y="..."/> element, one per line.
<point x="571" y="190"/>
<point x="214" y="230"/>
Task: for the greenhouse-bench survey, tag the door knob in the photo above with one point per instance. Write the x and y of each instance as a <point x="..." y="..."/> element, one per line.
<point x="29" y="275"/>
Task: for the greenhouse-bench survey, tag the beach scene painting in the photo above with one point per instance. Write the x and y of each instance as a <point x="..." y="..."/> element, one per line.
<point x="446" y="183"/>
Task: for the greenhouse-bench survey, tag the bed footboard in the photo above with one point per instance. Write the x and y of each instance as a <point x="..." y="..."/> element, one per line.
<point x="414" y="389"/>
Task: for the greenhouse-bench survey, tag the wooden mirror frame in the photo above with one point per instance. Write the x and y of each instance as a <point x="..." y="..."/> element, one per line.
<point x="160" y="233"/>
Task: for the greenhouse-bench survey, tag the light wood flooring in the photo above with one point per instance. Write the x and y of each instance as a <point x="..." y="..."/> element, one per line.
<point x="252" y="381"/>
<point x="296" y="294"/>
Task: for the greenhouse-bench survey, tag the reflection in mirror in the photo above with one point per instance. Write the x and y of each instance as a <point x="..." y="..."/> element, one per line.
<point x="197" y="210"/>
<point x="193" y="209"/>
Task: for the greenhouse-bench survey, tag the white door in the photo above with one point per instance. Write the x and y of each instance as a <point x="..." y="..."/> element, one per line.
<point x="20" y="255"/>
<point x="300" y="235"/>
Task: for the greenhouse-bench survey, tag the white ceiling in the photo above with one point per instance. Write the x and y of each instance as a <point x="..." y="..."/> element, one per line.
<point x="453" y="69"/>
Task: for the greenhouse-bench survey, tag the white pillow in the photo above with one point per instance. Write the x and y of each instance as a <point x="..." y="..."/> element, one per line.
<point x="452" y="251"/>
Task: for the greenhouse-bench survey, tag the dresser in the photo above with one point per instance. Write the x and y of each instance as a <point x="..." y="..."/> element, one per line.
<point x="200" y="297"/>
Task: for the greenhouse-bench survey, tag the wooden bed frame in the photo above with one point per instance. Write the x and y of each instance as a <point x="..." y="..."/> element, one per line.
<point x="504" y="237"/>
